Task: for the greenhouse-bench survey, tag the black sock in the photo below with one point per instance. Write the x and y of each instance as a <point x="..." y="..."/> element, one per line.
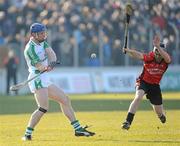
<point x="130" y="117"/>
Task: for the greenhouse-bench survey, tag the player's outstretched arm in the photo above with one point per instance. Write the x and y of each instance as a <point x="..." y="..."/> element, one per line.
<point x="133" y="53"/>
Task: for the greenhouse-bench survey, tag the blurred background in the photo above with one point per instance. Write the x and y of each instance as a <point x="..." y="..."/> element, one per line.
<point x="78" y="28"/>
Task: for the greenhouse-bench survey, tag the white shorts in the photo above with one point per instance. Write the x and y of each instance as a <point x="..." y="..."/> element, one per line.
<point x="40" y="82"/>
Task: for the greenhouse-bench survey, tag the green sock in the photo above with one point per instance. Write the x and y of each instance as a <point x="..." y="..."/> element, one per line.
<point x="29" y="131"/>
<point x="76" y="125"/>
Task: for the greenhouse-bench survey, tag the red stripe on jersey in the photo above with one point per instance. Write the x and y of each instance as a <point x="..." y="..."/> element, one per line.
<point x="152" y="71"/>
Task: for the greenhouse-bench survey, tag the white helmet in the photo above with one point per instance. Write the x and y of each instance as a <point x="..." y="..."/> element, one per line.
<point x="162" y="45"/>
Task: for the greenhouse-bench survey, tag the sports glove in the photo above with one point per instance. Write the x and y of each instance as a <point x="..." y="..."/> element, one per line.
<point x="52" y="64"/>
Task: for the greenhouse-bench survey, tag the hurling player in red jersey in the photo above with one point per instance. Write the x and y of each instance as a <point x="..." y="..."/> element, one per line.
<point x="155" y="65"/>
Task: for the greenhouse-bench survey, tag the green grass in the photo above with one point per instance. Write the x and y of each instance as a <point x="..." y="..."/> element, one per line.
<point x="90" y="102"/>
<point x="105" y="112"/>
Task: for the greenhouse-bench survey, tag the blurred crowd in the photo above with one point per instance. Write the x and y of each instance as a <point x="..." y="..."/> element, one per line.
<point x="78" y="28"/>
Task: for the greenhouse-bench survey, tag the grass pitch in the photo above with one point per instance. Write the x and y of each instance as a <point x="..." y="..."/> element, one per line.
<point x="104" y="112"/>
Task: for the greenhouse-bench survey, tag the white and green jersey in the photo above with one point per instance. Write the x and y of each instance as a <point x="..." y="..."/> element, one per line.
<point x="35" y="53"/>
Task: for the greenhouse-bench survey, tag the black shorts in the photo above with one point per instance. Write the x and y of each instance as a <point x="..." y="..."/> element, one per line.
<point x="153" y="92"/>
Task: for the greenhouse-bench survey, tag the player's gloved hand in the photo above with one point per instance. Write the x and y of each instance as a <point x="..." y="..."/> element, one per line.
<point x="52" y="64"/>
<point x="48" y="68"/>
<point x="125" y="50"/>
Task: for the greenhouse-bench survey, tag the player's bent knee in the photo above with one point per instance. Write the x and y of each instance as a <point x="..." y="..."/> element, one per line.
<point x="42" y="109"/>
<point x="137" y="99"/>
<point x="66" y="101"/>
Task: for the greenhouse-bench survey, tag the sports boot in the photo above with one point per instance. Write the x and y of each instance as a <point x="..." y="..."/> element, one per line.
<point x="26" y="138"/>
<point x="163" y="118"/>
<point x="125" y="125"/>
<point x="83" y="132"/>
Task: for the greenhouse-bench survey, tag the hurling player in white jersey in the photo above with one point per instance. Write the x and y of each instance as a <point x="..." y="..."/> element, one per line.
<point x="39" y="57"/>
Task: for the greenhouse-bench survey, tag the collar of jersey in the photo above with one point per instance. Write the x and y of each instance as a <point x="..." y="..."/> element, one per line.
<point x="31" y="41"/>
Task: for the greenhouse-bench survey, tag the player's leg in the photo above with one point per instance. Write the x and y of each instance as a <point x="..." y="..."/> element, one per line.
<point x="59" y="96"/>
<point x="135" y="103"/>
<point x="160" y="112"/>
<point x="155" y="98"/>
<point x="41" y="96"/>
<point x="156" y="102"/>
<point x="132" y="108"/>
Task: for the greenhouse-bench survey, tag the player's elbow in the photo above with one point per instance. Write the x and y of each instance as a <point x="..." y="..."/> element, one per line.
<point x="167" y="60"/>
<point x="141" y="57"/>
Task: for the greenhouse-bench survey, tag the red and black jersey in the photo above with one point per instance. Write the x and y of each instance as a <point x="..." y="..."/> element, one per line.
<point x="152" y="71"/>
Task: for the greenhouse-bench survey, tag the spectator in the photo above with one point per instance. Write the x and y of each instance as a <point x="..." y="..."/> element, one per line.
<point x="84" y="19"/>
<point x="117" y="56"/>
<point x="107" y="51"/>
<point x="93" y="48"/>
<point x="11" y="64"/>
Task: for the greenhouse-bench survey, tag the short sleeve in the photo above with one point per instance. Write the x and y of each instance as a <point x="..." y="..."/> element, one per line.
<point x="46" y="45"/>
